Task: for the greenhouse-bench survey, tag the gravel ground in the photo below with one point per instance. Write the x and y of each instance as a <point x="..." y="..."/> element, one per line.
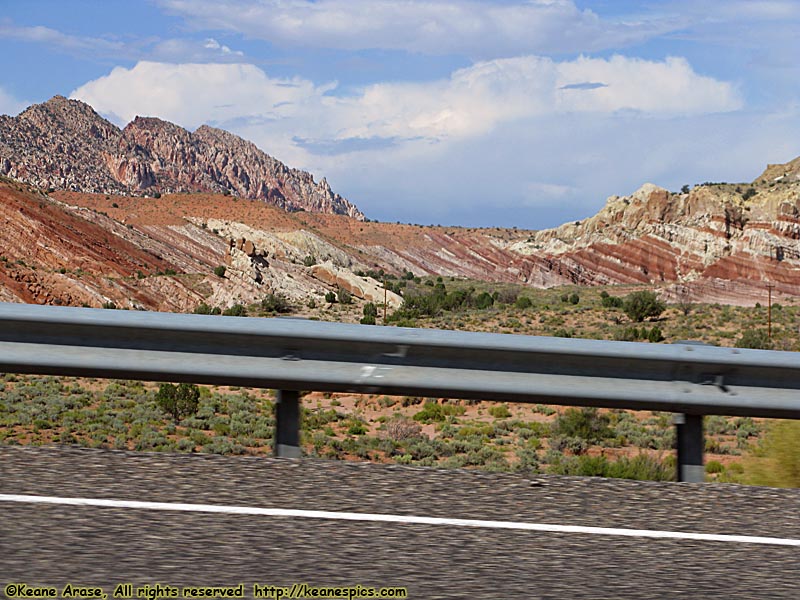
<point x="53" y="545"/>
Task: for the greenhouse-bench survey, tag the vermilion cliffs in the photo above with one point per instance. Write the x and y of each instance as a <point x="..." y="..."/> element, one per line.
<point x="65" y="145"/>
<point x="97" y="239"/>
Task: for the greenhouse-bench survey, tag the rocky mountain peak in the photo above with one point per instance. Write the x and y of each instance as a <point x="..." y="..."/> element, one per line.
<point x="64" y="144"/>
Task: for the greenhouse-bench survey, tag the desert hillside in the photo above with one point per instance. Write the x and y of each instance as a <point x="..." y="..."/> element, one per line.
<point x="716" y="242"/>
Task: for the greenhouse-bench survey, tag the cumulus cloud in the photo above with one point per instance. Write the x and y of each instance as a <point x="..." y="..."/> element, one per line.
<point x="193" y="94"/>
<point x="472" y="101"/>
<point x="477" y="28"/>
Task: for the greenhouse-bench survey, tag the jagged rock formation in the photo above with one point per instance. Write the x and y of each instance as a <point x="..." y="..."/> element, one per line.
<point x="65" y="145"/>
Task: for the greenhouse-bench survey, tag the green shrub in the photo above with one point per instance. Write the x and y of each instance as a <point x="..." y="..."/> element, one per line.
<point x="220" y="271"/>
<point x="237" y="310"/>
<point x="330" y="297"/>
<point x="356" y="428"/>
<point x="370" y="310"/>
<point x="484" y="300"/>
<point x="309" y="261"/>
<point x="642" y="305"/>
<point x="574" y="298"/>
<point x="714" y="466"/>
<point x="584" y="423"/>
<point x="655" y="335"/>
<point x="178" y="401"/>
<point x="500" y="411"/>
<point x="611" y="301"/>
<point x="433" y="411"/>
<point x="203" y="309"/>
<point x="368" y="320"/>
<point x="523" y="302"/>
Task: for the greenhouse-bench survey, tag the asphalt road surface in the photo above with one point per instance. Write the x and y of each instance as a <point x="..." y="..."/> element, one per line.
<point x="57" y="544"/>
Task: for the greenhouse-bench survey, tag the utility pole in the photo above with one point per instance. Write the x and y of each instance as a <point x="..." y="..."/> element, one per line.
<point x="769" y="311"/>
<point x="384" y="299"/>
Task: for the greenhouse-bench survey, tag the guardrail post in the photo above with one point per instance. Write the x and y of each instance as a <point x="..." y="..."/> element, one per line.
<point x="287" y="424"/>
<point x="690" y="447"/>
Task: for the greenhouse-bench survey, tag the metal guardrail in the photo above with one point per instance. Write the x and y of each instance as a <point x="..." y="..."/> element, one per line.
<point x="291" y="355"/>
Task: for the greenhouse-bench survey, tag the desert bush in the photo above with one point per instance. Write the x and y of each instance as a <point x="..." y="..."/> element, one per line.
<point x="202" y="309"/>
<point x="584" y="423"/>
<point x="500" y="411"/>
<point x="484" y="300"/>
<point x="642" y="467"/>
<point x="345" y="297"/>
<point x="433" y="411"/>
<point x="237" y="310"/>
<point x="330" y="297"/>
<point x="402" y="428"/>
<point x="755" y="339"/>
<point x="309" y="261"/>
<point x="220" y="271"/>
<point x="611" y="301"/>
<point x="275" y="303"/>
<point x="356" y="427"/>
<point x="507" y="296"/>
<point x="523" y="302"/>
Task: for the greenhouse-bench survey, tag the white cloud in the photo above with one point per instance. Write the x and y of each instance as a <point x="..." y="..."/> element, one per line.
<point x="212" y="44"/>
<point x="10" y="105"/>
<point x="180" y="50"/>
<point x="66" y="42"/>
<point x="476" y="28"/>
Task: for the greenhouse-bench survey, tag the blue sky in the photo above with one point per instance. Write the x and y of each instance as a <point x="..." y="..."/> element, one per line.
<point x="520" y="113"/>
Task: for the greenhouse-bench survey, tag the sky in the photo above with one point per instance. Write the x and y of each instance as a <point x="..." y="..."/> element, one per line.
<point x="512" y="113"/>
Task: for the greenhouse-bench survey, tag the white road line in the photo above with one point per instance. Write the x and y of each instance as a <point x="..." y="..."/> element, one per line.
<point x="406" y="519"/>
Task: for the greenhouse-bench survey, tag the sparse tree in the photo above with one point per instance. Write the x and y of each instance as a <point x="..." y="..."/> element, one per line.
<point x="642" y="305"/>
<point x="345" y="297"/>
<point x="685" y="304"/>
<point x="178" y="401"/>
